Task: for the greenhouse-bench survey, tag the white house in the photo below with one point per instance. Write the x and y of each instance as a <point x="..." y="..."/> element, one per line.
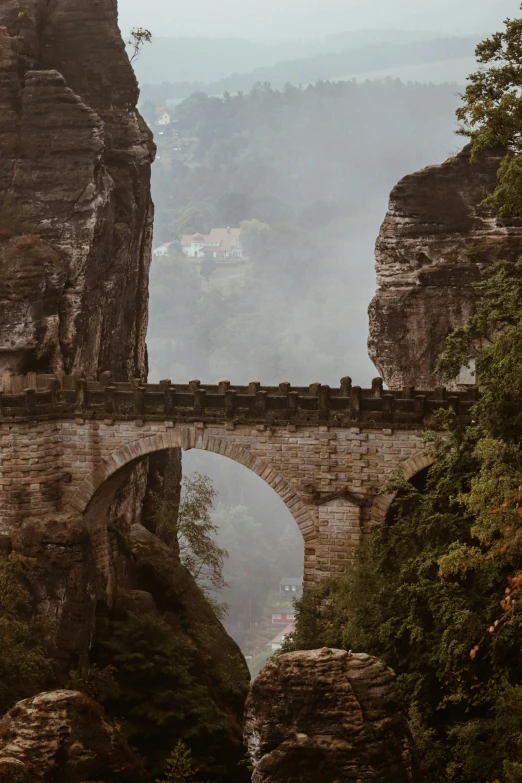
<point x="193" y="245"/>
<point x="222" y="244"/>
<point x="278" y="641"/>
<point x="291" y="586"/>
<point x="162" y="116"/>
<point x="162" y="250"/>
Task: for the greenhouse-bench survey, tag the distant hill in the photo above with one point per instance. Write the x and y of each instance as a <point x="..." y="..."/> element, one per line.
<point x="209" y="59"/>
<point x="379" y="58"/>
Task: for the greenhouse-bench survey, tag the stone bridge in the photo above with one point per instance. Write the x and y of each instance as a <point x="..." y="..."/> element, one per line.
<point x="67" y="444"/>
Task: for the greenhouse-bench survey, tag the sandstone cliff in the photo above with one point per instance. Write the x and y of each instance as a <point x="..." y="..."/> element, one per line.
<point x="434" y="243"/>
<point x="75" y="248"/>
<point x="328" y="716"/>
<point x="75" y="206"/>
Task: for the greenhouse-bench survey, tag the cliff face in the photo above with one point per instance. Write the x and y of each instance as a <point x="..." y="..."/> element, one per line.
<point x="433" y="245"/>
<point x="75" y="207"/>
<point x="75" y="248"/>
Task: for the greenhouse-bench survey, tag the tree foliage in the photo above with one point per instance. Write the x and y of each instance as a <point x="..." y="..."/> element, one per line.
<point x="25" y="663"/>
<point x="155" y="695"/>
<point x="491" y="113"/>
<point x="434" y="591"/>
<point x="139" y="36"/>
<point x="180" y="766"/>
<point x="186" y="525"/>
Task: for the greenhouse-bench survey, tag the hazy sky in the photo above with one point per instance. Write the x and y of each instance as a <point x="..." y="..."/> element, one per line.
<point x="277" y="19"/>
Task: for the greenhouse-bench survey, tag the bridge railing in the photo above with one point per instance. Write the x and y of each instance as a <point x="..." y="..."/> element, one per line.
<point x="59" y="396"/>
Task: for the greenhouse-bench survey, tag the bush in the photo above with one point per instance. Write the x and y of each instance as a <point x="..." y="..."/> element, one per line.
<point x="156" y="697"/>
<point x="434" y="591"/>
<point x="25" y="664"/>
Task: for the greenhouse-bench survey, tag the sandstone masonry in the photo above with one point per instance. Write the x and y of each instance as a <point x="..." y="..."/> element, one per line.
<point x="67" y="445"/>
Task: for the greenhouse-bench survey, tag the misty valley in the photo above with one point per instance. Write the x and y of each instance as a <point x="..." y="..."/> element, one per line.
<point x="260" y="392"/>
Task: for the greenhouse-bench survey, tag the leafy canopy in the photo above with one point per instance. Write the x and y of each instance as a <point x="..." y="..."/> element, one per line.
<point x="434" y="591"/>
<point x="491" y="113"/>
<point x="154" y="693"/>
<point x="25" y="663"/>
<point x="186" y="525"/>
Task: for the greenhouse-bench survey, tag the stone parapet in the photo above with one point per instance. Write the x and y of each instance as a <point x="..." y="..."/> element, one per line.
<point x="52" y="397"/>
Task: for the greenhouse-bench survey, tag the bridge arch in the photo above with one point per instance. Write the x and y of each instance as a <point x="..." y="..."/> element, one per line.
<point x="114" y="469"/>
<point x="410" y="467"/>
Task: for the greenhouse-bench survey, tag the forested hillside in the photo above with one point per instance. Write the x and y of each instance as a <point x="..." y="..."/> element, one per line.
<point x="207" y="59"/>
<point x="314" y="166"/>
<point x="359" y="57"/>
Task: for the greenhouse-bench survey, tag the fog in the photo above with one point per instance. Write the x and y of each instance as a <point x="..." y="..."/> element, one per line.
<point x="273" y="20"/>
<point x="294" y="132"/>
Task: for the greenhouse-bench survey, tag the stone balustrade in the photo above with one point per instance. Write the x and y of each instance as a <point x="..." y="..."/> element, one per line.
<point x="42" y="397"/>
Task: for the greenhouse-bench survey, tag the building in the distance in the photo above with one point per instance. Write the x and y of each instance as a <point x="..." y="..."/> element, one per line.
<point x="291" y="586"/>
<point x="282" y="636"/>
<point x="283" y="616"/>
<point x="162" y="116"/>
<point x="222" y="244"/>
<point x="162" y="250"/>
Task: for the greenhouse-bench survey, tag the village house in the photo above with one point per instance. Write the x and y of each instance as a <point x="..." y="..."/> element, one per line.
<point x="162" y="250"/>
<point x="277" y="642"/>
<point x="291" y="586"/>
<point x="222" y="244"/>
<point x="283" y="617"/>
<point x="162" y="115"/>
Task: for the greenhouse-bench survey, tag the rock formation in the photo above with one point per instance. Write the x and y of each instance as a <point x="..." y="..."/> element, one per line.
<point x="434" y="243"/>
<point x="75" y="248"/>
<point x="62" y="735"/>
<point x="328" y="716"/>
<point x="75" y="207"/>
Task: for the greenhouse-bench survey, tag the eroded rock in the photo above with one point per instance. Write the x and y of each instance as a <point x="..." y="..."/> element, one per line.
<point x="63" y="735"/>
<point x="75" y="206"/>
<point x="328" y="716"/>
<point x="434" y="244"/>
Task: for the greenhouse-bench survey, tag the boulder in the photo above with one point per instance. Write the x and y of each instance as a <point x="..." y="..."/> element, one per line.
<point x="64" y="736"/>
<point x="327" y="716"/>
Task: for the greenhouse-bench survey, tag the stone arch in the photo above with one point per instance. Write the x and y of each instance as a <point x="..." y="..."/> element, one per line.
<point x="410" y="468"/>
<point x="187" y="438"/>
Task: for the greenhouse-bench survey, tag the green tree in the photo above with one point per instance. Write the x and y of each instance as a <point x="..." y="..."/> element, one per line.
<point x="156" y="697"/>
<point x="139" y="36"/>
<point x="434" y="591"/>
<point x="25" y="662"/>
<point x="180" y="766"/>
<point x="186" y="525"/>
<point x="195" y="219"/>
<point x="208" y="267"/>
<point x="254" y="236"/>
<point x="492" y="112"/>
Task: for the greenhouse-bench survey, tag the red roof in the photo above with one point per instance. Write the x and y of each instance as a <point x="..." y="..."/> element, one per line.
<point x="161" y="110"/>
<point x="222" y="240"/>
